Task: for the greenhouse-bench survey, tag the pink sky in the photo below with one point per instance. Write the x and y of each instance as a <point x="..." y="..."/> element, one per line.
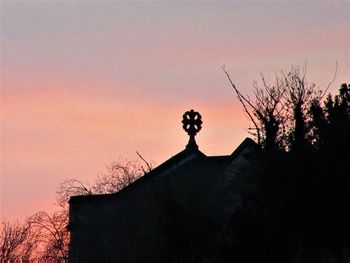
<point x="85" y="83"/>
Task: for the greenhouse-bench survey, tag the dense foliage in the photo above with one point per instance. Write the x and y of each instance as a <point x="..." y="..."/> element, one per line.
<point x="298" y="205"/>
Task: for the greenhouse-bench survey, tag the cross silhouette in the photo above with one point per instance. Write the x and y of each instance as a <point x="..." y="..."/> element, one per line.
<point x="192" y="124"/>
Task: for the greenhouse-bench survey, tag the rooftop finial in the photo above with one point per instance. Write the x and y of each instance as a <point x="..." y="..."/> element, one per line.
<point x="192" y="124"/>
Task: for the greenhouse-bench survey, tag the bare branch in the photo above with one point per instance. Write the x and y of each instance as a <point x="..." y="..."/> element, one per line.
<point x="149" y="166"/>
<point x="242" y="100"/>
<point x="52" y="233"/>
<point x="331" y="82"/>
<point x="13" y="238"/>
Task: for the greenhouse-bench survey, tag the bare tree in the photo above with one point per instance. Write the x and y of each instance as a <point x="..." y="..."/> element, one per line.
<point x="69" y="188"/>
<point x="13" y="243"/>
<point x="55" y="236"/>
<point x="269" y="110"/>
<point x="52" y="234"/>
<point x="298" y="97"/>
<point x="280" y="111"/>
<point x="30" y="246"/>
<point x="119" y="174"/>
<point x="44" y="237"/>
<point x="266" y="112"/>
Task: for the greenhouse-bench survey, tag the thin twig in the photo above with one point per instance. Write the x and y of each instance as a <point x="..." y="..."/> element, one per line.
<point x="330" y="83"/>
<point x="241" y="98"/>
<point x="147" y="163"/>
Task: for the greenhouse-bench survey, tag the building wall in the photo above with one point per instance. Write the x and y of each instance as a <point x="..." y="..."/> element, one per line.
<point x="109" y="229"/>
<point x="172" y="218"/>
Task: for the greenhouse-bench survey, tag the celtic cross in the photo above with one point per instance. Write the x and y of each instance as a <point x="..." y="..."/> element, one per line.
<point x="192" y="124"/>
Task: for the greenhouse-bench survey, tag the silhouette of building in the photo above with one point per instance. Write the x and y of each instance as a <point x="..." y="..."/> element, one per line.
<point x="179" y="212"/>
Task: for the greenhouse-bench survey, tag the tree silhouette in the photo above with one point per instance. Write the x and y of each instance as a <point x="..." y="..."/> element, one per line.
<point x="17" y="242"/>
<point x="44" y="237"/>
<point x="119" y="174"/>
<point x="52" y="233"/>
<point x="280" y="111"/>
<point x="297" y="199"/>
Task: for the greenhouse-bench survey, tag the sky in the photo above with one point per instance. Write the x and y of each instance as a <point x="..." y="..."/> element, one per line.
<point x="84" y="83"/>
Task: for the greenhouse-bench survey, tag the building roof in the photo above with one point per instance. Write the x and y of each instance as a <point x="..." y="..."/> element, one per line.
<point x="190" y="161"/>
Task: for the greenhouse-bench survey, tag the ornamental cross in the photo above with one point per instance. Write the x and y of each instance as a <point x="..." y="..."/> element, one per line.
<point x="192" y="124"/>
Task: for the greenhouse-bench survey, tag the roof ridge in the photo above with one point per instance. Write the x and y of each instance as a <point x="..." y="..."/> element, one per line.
<point x="166" y="167"/>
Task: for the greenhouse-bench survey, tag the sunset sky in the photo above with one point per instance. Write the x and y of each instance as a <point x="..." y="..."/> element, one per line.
<point x="86" y="83"/>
